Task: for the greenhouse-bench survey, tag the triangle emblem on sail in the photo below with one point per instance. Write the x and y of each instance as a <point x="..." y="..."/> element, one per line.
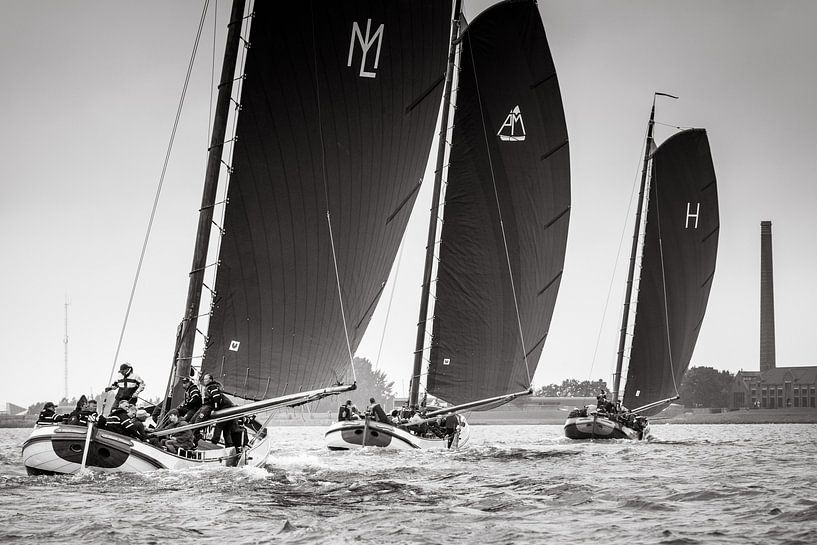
<point x="513" y="129"/>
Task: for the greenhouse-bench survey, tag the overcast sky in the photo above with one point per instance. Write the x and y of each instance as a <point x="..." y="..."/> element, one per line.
<point x="89" y="94"/>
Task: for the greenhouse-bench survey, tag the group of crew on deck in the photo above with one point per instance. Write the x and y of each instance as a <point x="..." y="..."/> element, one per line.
<point x="126" y="419"/>
<point x="614" y="411"/>
<point x="415" y="421"/>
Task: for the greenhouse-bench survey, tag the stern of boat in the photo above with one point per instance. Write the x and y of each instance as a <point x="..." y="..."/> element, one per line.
<point x="595" y="426"/>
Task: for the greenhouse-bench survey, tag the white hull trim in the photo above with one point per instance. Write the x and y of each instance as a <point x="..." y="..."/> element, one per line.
<point x="351" y="434"/>
<point x="58" y="449"/>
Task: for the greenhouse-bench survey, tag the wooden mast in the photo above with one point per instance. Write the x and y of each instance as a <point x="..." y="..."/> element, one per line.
<point x="183" y="356"/>
<point x="628" y="295"/>
<point x="414" y="389"/>
<point x="629" y="292"/>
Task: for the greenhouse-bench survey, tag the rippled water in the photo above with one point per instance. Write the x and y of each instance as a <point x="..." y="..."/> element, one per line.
<point x="716" y="484"/>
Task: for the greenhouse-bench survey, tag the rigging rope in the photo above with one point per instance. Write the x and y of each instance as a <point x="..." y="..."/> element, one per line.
<point x="158" y="191"/>
<point x="616" y="262"/>
<point x="499" y="213"/>
<point x="391" y="298"/>
<point x="326" y="195"/>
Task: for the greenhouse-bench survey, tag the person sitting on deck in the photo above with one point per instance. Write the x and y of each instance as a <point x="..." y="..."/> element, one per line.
<point x="132" y="426"/>
<point x="405" y="411"/>
<point x="73" y="417"/>
<point x="114" y="421"/>
<point x="49" y="414"/>
<point x="345" y="411"/>
<point x="88" y="413"/>
<point x="175" y="441"/>
<point x="377" y="411"/>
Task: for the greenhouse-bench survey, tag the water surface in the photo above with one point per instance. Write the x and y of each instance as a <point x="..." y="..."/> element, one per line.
<point x="739" y="484"/>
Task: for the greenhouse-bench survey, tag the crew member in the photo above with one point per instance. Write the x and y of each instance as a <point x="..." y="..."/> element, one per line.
<point x="452" y="422"/>
<point x="48" y="415"/>
<point x="115" y="421"/>
<point x="128" y="386"/>
<point x="345" y="411"/>
<point x="377" y="411"/>
<point x="192" y="400"/>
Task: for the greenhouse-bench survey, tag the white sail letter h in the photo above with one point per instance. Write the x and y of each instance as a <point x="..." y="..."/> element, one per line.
<point x="365" y="44"/>
<point x="695" y="215"/>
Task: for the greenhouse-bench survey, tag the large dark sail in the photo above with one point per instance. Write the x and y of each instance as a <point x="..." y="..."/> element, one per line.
<point x="337" y="112"/>
<point x="509" y="161"/>
<point x="678" y="263"/>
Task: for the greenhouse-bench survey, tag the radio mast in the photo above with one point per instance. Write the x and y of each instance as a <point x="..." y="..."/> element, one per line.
<point x="65" y="343"/>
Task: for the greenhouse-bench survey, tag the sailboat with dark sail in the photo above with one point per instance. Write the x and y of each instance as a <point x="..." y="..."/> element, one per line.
<point x="337" y="112"/>
<point x="504" y="222"/>
<point x="679" y="244"/>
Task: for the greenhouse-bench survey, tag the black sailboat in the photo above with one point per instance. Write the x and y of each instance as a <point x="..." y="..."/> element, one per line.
<point x="678" y="254"/>
<point x="503" y="237"/>
<point x="338" y="102"/>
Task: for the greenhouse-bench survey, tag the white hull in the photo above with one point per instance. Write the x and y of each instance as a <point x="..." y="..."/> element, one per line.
<point x="359" y="434"/>
<point x="59" y="449"/>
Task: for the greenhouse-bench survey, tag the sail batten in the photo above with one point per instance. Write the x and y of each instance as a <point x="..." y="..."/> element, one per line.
<point x="323" y="129"/>
<point x="476" y="350"/>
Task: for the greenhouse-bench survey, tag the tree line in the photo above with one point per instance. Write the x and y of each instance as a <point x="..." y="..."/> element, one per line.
<point x="700" y="387"/>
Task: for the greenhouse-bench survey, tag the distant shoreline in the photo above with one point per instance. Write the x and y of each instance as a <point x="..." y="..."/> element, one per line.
<point x="747" y="416"/>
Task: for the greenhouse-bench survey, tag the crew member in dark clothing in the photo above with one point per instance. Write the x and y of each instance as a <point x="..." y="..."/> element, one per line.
<point x="214" y="400"/>
<point x="133" y="427"/>
<point x="49" y="414"/>
<point x="73" y="416"/>
<point x="115" y="421"/>
<point x="88" y="413"/>
<point x="451" y="424"/>
<point x="345" y="411"/>
<point x="175" y="441"/>
<point x="192" y="400"/>
<point x="128" y="386"/>
<point x="377" y="411"/>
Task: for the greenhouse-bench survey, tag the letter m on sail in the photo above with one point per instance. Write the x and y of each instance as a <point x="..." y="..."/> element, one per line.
<point x="513" y="129"/>
<point x="366" y="44"/>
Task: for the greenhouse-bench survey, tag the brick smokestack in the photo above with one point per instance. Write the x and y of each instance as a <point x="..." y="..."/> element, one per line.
<point x="767" y="358"/>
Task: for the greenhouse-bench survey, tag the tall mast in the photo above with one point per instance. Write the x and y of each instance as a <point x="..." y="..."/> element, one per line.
<point x="414" y="391"/>
<point x="184" y="355"/>
<point x="65" y="343"/>
<point x="634" y="250"/>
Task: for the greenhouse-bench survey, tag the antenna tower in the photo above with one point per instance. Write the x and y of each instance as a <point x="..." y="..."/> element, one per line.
<point x="65" y="343"/>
